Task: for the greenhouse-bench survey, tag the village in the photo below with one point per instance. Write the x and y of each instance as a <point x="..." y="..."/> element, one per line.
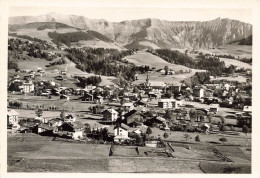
<point x="212" y="107"/>
<point x="105" y="107"/>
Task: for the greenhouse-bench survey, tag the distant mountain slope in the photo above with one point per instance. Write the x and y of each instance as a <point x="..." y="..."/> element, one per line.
<point x="39" y="26"/>
<point x="244" y="41"/>
<point x="154" y="32"/>
<point x="72" y="37"/>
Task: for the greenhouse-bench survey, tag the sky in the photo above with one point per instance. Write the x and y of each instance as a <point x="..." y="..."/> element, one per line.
<point x="174" y="11"/>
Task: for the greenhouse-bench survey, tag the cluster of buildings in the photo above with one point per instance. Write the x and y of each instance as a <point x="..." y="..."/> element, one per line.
<point x="136" y="103"/>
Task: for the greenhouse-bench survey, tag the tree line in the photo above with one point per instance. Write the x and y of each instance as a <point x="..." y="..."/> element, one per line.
<point x="72" y="37"/>
<point x="106" y="62"/>
<point x="212" y="64"/>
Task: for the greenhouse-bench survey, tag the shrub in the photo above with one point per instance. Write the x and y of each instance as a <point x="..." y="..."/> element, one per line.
<point x="245" y="129"/>
<point x="177" y="128"/>
<point x="186" y="136"/>
<point x="165" y="135"/>
<point x="223" y="139"/>
<point x="197" y="138"/>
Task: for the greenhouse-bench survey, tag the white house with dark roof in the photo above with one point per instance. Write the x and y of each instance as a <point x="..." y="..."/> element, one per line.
<point x="12" y="118"/>
<point x="169" y="103"/>
<point x="247" y="109"/>
<point x="214" y="108"/>
<point x="27" y="87"/>
<point x="121" y="132"/>
<point x="110" y="114"/>
<point x="129" y="106"/>
<point x="72" y="129"/>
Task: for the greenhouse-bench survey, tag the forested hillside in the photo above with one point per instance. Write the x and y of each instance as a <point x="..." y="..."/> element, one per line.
<point x="72" y="37"/>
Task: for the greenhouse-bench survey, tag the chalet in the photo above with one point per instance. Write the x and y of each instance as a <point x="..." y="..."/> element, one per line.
<point x="198" y="92"/>
<point x="50" y="54"/>
<point x="16" y="77"/>
<point x="98" y="100"/>
<point x="145" y="98"/>
<point x="73" y="130"/>
<point x="155" y="121"/>
<point x="169" y="103"/>
<point x="12" y="119"/>
<point x="247" y="120"/>
<point x="90" y="87"/>
<point x="226" y="86"/>
<point x="110" y="114"/>
<point x="171" y="72"/>
<point x="214" y="108"/>
<point x="205" y="111"/>
<point x="45" y="93"/>
<point x="133" y="96"/>
<point x="165" y="103"/>
<point x="140" y="103"/>
<point x="16" y="80"/>
<point x="52" y="83"/>
<point x="120" y="132"/>
<point x="174" y="88"/>
<point x="41" y="119"/>
<point x="32" y="75"/>
<point x="39" y="74"/>
<point x="65" y="97"/>
<point x="27" y="87"/>
<point x="78" y="92"/>
<point x="128" y="106"/>
<point x="39" y="69"/>
<point x="134" y="118"/>
<point x="69" y="118"/>
<point x="44" y="129"/>
<point x="205" y="127"/>
<point x="247" y="109"/>
<point x="54" y="123"/>
<point x="55" y="91"/>
<point x="137" y="131"/>
<point x="154" y="95"/>
<point x="155" y="85"/>
<point x="87" y="97"/>
<point x="66" y="91"/>
<point x="189" y="105"/>
<point x="63" y="72"/>
<point x="59" y="77"/>
<point x="162" y="71"/>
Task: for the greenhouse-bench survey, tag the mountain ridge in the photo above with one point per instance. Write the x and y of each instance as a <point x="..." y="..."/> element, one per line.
<point x="162" y="33"/>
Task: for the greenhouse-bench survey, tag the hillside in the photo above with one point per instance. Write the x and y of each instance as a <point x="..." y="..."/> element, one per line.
<point x="72" y="37"/>
<point x="55" y="33"/>
<point x="33" y="63"/>
<point x="39" y="26"/>
<point x="145" y="58"/>
<point x="154" y="32"/>
<point x="244" y="41"/>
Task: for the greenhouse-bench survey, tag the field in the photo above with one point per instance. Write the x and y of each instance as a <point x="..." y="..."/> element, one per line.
<point x="237" y="63"/>
<point x="33" y="63"/>
<point x="232" y="49"/>
<point x="157" y="76"/>
<point x="45" y="155"/>
<point x="145" y="58"/>
<point x="230" y="78"/>
<point x="96" y="44"/>
<point x="43" y="34"/>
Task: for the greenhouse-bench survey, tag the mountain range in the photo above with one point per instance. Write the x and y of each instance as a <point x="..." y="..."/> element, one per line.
<point x="143" y="33"/>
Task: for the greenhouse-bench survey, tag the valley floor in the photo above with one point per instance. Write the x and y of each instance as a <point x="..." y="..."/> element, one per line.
<point x="44" y="154"/>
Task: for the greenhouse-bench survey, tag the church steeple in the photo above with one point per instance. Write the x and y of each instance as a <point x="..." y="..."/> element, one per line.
<point x="147" y="80"/>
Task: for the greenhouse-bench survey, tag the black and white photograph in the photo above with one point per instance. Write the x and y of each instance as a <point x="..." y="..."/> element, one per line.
<point x="130" y="87"/>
